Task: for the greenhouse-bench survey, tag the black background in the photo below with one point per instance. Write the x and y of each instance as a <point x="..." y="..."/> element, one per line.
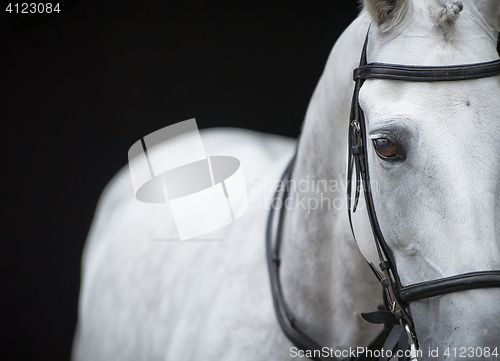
<point x="78" y="91"/>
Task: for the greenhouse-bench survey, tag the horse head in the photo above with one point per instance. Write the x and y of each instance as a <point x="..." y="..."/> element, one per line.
<point x="433" y="150"/>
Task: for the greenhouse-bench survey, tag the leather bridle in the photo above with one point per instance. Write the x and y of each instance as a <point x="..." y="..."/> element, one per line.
<point x="399" y="327"/>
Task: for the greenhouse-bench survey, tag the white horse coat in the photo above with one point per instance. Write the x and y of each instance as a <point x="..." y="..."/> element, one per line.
<point x="211" y="300"/>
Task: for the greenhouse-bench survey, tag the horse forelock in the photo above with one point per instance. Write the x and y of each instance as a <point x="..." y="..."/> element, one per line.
<point x="447" y="12"/>
<point x="394" y="16"/>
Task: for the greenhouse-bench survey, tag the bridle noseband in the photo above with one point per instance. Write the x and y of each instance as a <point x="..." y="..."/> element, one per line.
<point x="399" y="326"/>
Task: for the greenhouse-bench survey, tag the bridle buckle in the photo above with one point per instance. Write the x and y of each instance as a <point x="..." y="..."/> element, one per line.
<point x="411" y="341"/>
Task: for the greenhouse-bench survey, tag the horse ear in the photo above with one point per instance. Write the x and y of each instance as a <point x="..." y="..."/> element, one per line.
<point x="387" y="13"/>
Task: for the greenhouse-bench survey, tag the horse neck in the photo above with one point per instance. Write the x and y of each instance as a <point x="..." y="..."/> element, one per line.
<point x="326" y="282"/>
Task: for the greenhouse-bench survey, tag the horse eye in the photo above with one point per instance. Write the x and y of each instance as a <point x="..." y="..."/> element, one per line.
<point x="385" y="148"/>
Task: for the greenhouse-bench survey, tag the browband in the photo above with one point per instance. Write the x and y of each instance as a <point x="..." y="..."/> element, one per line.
<point x="427" y="73"/>
<point x="462" y="282"/>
